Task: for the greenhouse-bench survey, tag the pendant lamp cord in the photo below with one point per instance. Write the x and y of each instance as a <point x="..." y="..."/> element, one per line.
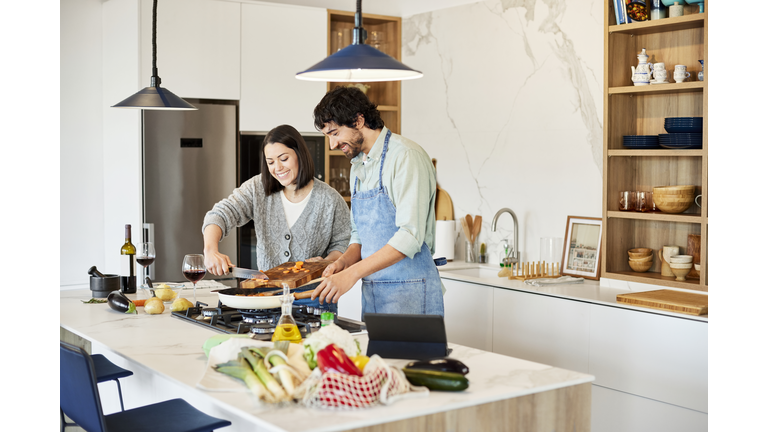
<point x="155" y="78"/>
<point x="359" y="35"/>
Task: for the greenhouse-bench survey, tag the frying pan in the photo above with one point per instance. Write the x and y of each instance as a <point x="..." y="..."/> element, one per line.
<point x="242" y="298"/>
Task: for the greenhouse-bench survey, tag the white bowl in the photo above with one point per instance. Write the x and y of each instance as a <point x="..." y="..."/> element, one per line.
<point x="697" y="267"/>
<point x="680" y="265"/>
<point x="681" y="259"/>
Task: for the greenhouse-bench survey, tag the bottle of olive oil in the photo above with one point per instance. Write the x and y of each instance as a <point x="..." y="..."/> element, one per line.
<point x="286" y="327"/>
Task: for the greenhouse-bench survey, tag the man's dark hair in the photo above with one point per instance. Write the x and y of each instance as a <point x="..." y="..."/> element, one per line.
<point x="291" y="138"/>
<point x="342" y="106"/>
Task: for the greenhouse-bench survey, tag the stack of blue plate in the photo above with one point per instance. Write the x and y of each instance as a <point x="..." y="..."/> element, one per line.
<point x="684" y="124"/>
<point x="641" y="141"/>
<point x="687" y="140"/>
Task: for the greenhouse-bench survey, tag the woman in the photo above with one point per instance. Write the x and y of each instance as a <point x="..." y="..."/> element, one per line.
<point x="296" y="218"/>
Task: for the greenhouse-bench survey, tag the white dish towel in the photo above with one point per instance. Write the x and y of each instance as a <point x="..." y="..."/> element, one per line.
<point x="545" y="281"/>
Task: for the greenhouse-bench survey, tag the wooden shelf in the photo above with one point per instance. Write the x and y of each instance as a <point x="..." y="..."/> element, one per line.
<point x="657" y="216"/>
<point x="672" y="87"/>
<point x="684" y="22"/>
<point x="655" y="152"/>
<point x="641" y="110"/>
<point x="656" y="279"/>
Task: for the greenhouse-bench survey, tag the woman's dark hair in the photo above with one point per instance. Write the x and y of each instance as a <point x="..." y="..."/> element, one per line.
<point x="342" y="106"/>
<point x="291" y="138"/>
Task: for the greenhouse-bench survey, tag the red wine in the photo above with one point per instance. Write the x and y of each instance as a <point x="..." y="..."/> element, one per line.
<point x="145" y="261"/>
<point x="194" y="275"/>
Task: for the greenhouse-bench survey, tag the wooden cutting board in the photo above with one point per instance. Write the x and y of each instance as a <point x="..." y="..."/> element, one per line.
<point x="443" y="202"/>
<point x="284" y="273"/>
<point x="669" y="300"/>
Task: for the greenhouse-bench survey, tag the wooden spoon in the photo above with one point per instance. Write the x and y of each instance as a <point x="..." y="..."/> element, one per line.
<point x="476" y="225"/>
<point x="465" y="227"/>
<point x="468" y="218"/>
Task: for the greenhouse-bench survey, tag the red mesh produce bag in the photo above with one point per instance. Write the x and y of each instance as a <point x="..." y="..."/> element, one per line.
<point x="380" y="384"/>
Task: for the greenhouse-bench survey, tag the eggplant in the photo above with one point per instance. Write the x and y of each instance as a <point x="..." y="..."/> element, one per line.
<point x="119" y="302"/>
<point x="439" y="365"/>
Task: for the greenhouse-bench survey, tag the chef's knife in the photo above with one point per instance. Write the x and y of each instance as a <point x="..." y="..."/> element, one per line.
<point x="244" y="273"/>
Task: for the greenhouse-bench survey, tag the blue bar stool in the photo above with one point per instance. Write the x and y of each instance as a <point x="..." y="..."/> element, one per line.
<point x="79" y="400"/>
<point x="108" y="371"/>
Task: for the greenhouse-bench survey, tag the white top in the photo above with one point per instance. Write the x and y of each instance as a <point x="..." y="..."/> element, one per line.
<point x="293" y="210"/>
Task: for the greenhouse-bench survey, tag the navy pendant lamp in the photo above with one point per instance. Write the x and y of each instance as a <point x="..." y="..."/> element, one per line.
<point x="155" y="97"/>
<point x="359" y="62"/>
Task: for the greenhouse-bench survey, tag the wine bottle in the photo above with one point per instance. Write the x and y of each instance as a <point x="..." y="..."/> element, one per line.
<point x="127" y="267"/>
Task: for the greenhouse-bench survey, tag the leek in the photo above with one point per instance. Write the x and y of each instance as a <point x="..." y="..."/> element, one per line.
<point x="241" y="370"/>
<point x="254" y="357"/>
<point x="278" y="359"/>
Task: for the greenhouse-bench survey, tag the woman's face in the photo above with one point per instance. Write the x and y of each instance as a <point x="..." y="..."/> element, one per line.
<point x="282" y="162"/>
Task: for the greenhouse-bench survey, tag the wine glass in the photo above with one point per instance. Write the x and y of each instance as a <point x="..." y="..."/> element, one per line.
<point x="193" y="268"/>
<point x="145" y="255"/>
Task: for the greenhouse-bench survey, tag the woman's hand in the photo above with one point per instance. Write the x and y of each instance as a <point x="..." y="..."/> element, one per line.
<point x="217" y="263"/>
<point x="314" y="259"/>
<point x="334" y="268"/>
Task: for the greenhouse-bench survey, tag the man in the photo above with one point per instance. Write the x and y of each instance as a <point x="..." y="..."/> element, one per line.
<point x="393" y="183"/>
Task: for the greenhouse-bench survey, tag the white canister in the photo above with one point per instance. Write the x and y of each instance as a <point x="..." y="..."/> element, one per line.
<point x="676" y="10"/>
<point x="445" y="239"/>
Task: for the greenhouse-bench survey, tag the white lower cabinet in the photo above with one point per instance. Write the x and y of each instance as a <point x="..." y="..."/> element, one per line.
<point x="650" y="369"/>
<point x="614" y="411"/>
<point x="542" y="329"/>
<point x="469" y="314"/>
<point x="650" y="355"/>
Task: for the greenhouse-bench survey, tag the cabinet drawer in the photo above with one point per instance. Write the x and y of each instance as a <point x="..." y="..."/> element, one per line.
<point x="654" y="356"/>
<point x="616" y="411"/>
<point x="469" y="314"/>
<point x="542" y="329"/>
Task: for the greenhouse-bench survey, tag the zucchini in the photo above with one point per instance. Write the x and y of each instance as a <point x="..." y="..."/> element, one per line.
<point x="437" y="380"/>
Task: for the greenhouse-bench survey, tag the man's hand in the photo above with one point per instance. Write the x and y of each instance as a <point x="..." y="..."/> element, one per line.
<point x="334" y="286"/>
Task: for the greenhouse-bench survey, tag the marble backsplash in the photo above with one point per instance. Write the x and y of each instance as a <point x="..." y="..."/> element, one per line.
<point x="511" y="107"/>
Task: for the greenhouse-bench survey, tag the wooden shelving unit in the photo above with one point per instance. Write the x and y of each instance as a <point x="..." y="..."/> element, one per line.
<point x="385" y="94"/>
<point x="641" y="110"/>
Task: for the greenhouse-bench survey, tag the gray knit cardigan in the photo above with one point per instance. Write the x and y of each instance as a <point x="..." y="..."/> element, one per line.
<point x="323" y="227"/>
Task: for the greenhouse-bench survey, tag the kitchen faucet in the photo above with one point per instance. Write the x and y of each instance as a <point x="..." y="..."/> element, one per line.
<point x="514" y="256"/>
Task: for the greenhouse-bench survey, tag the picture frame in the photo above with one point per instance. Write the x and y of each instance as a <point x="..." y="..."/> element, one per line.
<point x="581" y="249"/>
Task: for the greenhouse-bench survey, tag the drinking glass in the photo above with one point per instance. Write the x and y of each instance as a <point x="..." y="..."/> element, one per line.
<point x="145" y="255"/>
<point x="193" y="268"/>
<point x="627" y="201"/>
<point x="644" y="201"/>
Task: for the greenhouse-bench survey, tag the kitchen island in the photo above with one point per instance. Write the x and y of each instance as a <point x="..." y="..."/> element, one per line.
<point x="165" y="353"/>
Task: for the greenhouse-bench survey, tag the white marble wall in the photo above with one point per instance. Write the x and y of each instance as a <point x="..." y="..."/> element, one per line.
<point x="511" y="107"/>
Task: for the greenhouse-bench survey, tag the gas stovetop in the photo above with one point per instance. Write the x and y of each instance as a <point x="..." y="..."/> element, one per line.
<point x="259" y="324"/>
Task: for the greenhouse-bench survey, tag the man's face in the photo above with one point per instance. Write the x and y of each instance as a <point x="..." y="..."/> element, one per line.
<point x="348" y="140"/>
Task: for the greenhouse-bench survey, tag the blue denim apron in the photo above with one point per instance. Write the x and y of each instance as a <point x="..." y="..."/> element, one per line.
<point x="410" y="286"/>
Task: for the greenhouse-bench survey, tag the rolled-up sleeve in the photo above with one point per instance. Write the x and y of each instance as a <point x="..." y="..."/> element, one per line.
<point x="413" y="184"/>
<point x="233" y="211"/>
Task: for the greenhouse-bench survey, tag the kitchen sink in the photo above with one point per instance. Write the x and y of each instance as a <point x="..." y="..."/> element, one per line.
<point x="478" y="272"/>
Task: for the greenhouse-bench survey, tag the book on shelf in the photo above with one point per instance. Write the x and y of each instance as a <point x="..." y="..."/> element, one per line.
<point x="619" y="11"/>
<point x="624" y="9"/>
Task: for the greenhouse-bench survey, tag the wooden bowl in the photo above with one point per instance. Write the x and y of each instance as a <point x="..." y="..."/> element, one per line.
<point x="674" y="190"/>
<point x="640" y="267"/>
<point x="643" y="259"/>
<point x="681" y="259"/>
<point x="640" y="252"/>
<point x="672" y="204"/>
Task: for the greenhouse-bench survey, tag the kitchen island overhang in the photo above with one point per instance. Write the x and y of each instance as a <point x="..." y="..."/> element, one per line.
<point x="167" y="359"/>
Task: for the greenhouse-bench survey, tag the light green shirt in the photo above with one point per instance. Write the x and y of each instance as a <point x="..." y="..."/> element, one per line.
<point x="410" y="179"/>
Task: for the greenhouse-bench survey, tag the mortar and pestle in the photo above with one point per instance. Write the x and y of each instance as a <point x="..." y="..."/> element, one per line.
<point x="101" y="284"/>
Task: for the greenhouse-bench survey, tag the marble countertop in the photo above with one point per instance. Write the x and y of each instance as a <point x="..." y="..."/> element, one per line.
<point x="599" y="292"/>
<point x="171" y="349"/>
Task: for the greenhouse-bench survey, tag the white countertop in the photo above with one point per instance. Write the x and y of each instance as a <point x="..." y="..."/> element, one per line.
<point x="170" y="349"/>
<point x="599" y="292"/>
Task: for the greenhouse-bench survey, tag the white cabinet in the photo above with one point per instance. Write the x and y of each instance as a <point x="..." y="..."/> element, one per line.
<point x="198" y="47"/>
<point x="277" y="42"/>
<point x="541" y="328"/>
<point x="469" y="314"/>
<point x="650" y="355"/>
<point x="614" y="411"/>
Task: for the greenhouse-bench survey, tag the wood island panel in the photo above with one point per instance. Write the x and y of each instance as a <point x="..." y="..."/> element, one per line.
<point x="565" y="409"/>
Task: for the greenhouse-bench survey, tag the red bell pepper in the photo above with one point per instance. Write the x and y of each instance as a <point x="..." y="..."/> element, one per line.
<point x="334" y="359"/>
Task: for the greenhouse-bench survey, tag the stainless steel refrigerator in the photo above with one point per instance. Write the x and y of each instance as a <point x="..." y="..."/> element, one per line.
<point x="190" y="163"/>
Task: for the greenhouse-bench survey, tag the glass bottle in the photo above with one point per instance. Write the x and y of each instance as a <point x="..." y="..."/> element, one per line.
<point x="286" y="326"/>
